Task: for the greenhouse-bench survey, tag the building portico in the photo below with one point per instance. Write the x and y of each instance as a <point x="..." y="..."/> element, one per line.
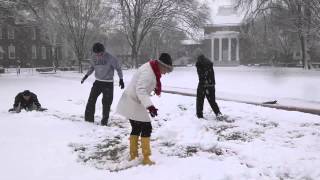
<point x="221" y="37"/>
<point x="224" y="47"/>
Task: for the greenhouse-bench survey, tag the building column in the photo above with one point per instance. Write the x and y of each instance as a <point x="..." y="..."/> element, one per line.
<point x="238" y="44"/>
<point x="229" y="49"/>
<point x="220" y="49"/>
<point x="212" y="49"/>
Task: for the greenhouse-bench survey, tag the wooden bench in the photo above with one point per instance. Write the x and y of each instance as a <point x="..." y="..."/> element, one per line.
<point x="314" y="65"/>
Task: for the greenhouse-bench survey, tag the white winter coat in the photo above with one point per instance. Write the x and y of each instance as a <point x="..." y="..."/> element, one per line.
<point x="136" y="97"/>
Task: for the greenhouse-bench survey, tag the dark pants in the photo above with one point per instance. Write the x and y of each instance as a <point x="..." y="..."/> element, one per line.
<point x="106" y="88"/>
<point x="209" y="93"/>
<point x="139" y="128"/>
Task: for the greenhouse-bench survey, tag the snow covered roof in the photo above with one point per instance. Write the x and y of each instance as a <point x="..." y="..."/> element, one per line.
<point x="189" y="42"/>
<point x="224" y="13"/>
<point x="24" y="17"/>
<point x="225" y="33"/>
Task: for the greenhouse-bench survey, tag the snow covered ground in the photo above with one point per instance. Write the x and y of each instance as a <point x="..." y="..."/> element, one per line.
<point x="289" y="86"/>
<point x="257" y="143"/>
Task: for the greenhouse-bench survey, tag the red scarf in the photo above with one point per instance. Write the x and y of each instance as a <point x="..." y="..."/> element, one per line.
<point x="155" y="67"/>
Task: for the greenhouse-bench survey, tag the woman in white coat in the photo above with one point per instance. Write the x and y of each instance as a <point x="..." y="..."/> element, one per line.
<point x="136" y="105"/>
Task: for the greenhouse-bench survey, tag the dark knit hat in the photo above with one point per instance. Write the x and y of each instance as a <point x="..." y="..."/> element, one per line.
<point x="166" y="61"/>
<point x="201" y="57"/>
<point x="26" y="93"/>
<point x="98" y="48"/>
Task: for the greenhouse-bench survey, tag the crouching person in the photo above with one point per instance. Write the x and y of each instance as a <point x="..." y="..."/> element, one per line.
<point x="26" y="100"/>
<point x="135" y="103"/>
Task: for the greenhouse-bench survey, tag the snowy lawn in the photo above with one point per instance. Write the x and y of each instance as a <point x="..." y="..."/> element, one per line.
<point x="258" y="143"/>
<point x="289" y="86"/>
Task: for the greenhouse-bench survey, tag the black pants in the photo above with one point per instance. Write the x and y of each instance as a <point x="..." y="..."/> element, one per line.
<point x="139" y="128"/>
<point x="209" y="93"/>
<point x="106" y="88"/>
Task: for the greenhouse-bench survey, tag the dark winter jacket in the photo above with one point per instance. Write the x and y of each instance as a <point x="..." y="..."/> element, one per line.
<point x="205" y="71"/>
<point x="23" y="103"/>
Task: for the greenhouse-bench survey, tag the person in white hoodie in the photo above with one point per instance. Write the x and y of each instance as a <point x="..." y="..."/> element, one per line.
<point x="135" y="103"/>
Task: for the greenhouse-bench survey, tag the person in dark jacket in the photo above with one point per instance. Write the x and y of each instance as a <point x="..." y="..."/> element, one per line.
<point x="104" y="65"/>
<point x="206" y="86"/>
<point x="26" y="100"/>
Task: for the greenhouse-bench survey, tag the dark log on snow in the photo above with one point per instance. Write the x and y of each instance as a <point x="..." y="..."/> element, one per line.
<point x="263" y="104"/>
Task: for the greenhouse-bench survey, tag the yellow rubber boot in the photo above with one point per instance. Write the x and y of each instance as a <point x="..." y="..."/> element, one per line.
<point x="146" y="151"/>
<point x="133" y="147"/>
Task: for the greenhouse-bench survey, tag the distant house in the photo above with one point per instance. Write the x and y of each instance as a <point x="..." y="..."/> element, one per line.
<point x="220" y="41"/>
<point x="221" y="38"/>
<point x="22" y="43"/>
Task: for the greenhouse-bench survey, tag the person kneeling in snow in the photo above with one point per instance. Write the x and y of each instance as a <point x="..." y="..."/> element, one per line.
<point x="135" y="103"/>
<point x="206" y="86"/>
<point x="26" y="100"/>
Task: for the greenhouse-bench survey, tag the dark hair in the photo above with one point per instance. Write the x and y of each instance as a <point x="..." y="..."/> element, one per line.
<point x="201" y="57"/>
<point x="26" y="93"/>
<point x="98" y="48"/>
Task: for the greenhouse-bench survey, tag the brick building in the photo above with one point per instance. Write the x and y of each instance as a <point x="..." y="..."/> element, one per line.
<point x="22" y="43"/>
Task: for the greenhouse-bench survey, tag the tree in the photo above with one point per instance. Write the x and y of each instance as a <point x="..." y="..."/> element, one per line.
<point x="270" y="37"/>
<point x="162" y="40"/>
<point x="298" y="19"/>
<point x="139" y="17"/>
<point x="74" y="18"/>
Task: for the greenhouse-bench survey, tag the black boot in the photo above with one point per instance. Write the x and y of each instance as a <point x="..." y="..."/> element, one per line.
<point x="89" y="115"/>
<point x="104" y="122"/>
<point x="199" y="115"/>
<point x="105" y="116"/>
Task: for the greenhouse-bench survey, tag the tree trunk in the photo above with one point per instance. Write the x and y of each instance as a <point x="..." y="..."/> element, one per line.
<point x="308" y="35"/>
<point x="80" y="65"/>
<point x="134" y="57"/>
<point x="53" y="55"/>
<point x="307" y="52"/>
<point x="303" y="50"/>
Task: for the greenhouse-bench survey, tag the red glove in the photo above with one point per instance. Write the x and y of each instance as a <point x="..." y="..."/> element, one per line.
<point x="153" y="111"/>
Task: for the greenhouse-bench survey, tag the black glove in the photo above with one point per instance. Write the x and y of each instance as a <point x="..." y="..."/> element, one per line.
<point x="84" y="78"/>
<point x="121" y="83"/>
<point x="12" y="109"/>
<point x="15" y="109"/>
<point x="41" y="109"/>
<point x="153" y="111"/>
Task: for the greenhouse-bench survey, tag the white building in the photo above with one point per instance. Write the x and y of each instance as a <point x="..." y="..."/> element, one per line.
<point x="221" y="37"/>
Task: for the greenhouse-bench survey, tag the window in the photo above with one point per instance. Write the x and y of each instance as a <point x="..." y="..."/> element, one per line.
<point x="34" y="34"/>
<point x="1" y="52"/>
<point x="12" y="52"/>
<point x="34" y="52"/>
<point x="43" y="52"/>
<point x="0" y="33"/>
<point x="10" y="33"/>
